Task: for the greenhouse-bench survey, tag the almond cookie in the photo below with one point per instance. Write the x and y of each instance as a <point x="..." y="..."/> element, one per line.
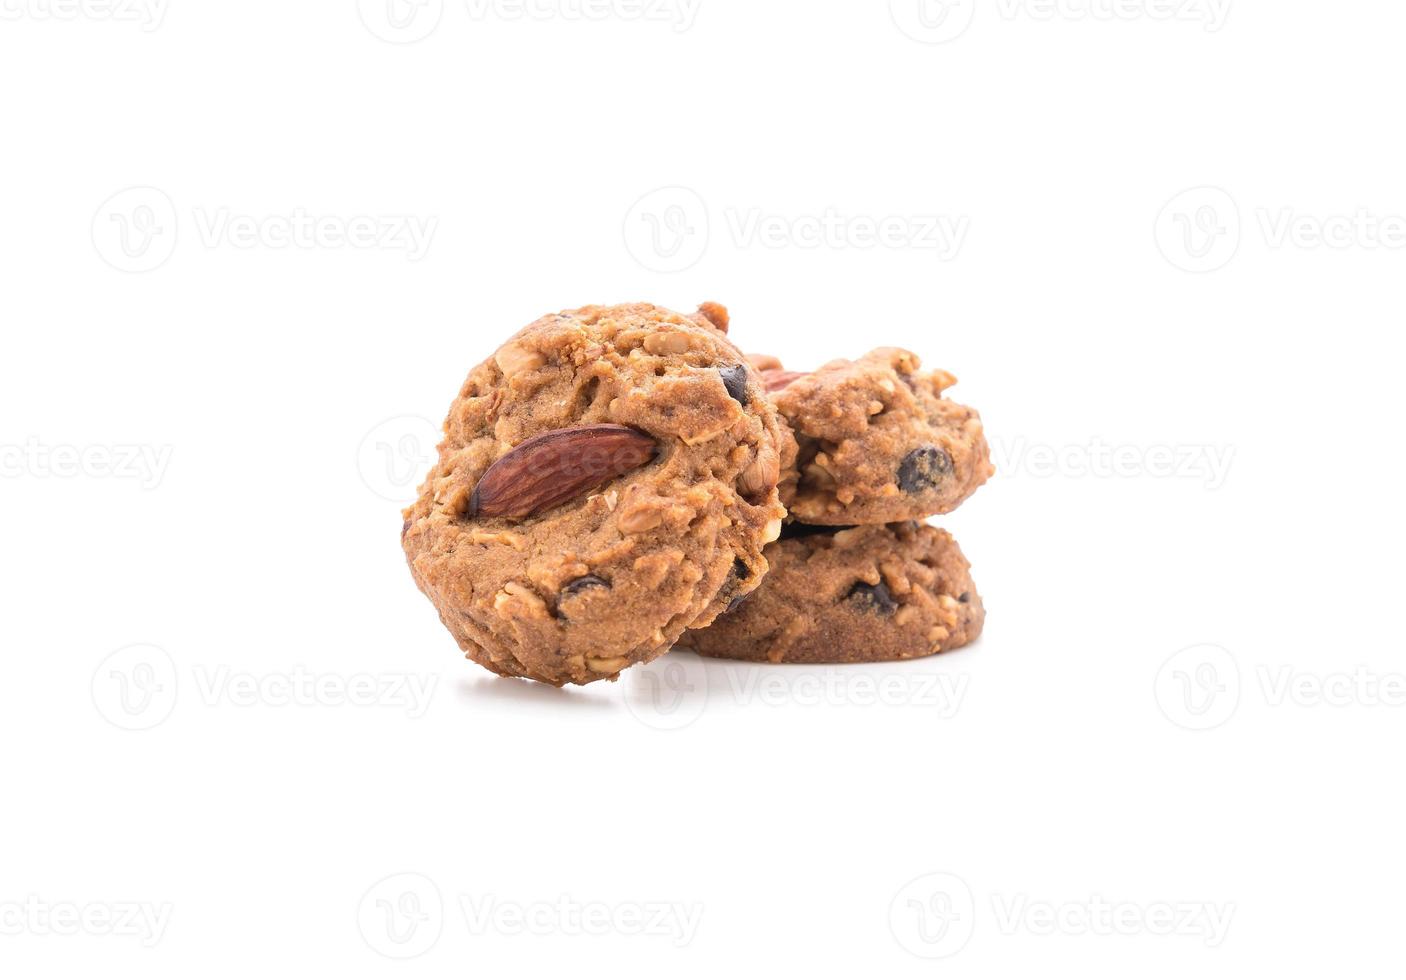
<point x="607" y="478"/>
<point x="878" y="442"/>
<point x="851" y="595"/>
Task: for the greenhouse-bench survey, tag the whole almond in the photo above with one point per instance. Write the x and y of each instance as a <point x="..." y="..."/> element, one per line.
<point x="554" y="467"/>
<point x="775" y="379"/>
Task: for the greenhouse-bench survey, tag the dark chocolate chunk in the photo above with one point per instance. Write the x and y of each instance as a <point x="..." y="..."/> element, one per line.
<point x="965" y="597"/>
<point x="872" y="598"/>
<point x="795" y="529"/>
<point x="923" y="469"/>
<point x="735" y="381"/>
<point x="584" y="582"/>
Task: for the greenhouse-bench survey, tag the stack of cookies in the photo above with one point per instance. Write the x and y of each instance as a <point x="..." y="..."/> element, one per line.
<point x="615" y="480"/>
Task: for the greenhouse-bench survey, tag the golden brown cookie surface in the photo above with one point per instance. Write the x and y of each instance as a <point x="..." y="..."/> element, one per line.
<point x="606" y="479"/>
<point x="877" y="440"/>
<point x="852" y="595"/>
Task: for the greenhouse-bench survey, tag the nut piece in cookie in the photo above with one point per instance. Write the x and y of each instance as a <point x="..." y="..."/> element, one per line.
<point x="852" y="595"/>
<point x="877" y="441"/>
<point x="601" y="477"/>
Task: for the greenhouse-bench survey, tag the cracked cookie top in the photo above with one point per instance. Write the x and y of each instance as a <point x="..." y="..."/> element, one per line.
<point x="877" y="440"/>
<point x="852" y="595"/>
<point x="607" y="478"/>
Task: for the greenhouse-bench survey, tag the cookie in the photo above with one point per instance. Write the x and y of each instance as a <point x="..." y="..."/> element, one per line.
<point x="877" y="441"/>
<point x="851" y="595"/>
<point x="607" y="478"/>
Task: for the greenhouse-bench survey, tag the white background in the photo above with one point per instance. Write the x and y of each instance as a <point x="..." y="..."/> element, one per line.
<point x="1131" y="276"/>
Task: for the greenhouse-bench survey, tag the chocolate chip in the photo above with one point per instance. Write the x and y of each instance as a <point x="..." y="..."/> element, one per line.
<point x="584" y="582"/>
<point x="735" y="381"/>
<point x="923" y="469"/>
<point x="740" y="571"/>
<point x="578" y="585"/>
<point x="403" y="528"/>
<point x="872" y="598"/>
<point x="965" y="597"/>
<point x="795" y="529"/>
